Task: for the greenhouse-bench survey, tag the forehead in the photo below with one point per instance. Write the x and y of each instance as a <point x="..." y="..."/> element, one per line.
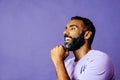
<point x="78" y="23"/>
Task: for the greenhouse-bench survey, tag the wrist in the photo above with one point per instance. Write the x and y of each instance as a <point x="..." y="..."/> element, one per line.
<point x="58" y="62"/>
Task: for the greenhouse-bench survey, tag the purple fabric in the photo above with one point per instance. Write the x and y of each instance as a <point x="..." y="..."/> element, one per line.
<point x="95" y="65"/>
<point x="30" y="28"/>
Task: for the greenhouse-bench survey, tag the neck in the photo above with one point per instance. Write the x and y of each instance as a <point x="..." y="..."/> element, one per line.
<point x="81" y="52"/>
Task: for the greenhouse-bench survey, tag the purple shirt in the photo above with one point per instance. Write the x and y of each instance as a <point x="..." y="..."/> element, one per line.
<point x="95" y="65"/>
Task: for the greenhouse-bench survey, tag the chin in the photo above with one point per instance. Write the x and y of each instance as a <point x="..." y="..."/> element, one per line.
<point x="69" y="47"/>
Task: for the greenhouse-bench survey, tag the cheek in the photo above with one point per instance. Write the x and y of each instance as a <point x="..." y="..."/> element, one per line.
<point x="74" y="34"/>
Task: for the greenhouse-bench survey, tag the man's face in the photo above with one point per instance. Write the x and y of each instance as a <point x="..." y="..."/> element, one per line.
<point x="74" y="35"/>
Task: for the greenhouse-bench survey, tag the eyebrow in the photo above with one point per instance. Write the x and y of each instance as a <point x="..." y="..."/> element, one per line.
<point x="72" y="26"/>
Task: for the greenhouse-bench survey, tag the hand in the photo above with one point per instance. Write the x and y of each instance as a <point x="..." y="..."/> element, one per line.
<point x="59" y="53"/>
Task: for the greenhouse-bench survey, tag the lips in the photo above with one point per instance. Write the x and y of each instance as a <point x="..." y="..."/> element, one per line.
<point x="68" y="39"/>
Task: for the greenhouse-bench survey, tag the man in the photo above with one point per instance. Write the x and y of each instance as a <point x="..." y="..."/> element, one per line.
<point x="87" y="64"/>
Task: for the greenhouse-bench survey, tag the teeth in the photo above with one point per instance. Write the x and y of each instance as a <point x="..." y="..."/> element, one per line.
<point x="67" y="38"/>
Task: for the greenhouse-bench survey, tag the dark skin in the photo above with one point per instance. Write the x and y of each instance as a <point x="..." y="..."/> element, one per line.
<point x="58" y="54"/>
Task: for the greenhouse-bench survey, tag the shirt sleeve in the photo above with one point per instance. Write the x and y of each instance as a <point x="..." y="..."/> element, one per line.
<point x="98" y="68"/>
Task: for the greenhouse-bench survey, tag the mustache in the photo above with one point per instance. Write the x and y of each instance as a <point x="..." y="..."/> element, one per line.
<point x="67" y="36"/>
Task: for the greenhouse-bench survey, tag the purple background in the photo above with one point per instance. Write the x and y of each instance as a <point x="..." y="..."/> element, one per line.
<point x="29" y="29"/>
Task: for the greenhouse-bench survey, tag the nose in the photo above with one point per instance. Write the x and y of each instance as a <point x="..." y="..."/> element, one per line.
<point x="66" y="32"/>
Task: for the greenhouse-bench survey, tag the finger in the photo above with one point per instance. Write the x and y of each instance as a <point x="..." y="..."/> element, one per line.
<point x="58" y="46"/>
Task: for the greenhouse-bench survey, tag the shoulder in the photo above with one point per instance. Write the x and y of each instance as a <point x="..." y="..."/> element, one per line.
<point x="99" y="57"/>
<point x="100" y="61"/>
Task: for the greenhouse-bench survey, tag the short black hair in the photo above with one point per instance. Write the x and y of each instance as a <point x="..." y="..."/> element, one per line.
<point x="88" y="25"/>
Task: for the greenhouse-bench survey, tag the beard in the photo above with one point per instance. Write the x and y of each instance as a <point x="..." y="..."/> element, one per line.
<point x="75" y="43"/>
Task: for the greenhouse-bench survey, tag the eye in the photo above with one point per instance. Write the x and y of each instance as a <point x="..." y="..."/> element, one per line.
<point x="72" y="28"/>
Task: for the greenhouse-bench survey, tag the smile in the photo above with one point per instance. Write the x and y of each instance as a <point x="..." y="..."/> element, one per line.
<point x="68" y="39"/>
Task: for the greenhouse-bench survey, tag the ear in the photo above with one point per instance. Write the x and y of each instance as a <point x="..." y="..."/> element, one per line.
<point x="87" y="35"/>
